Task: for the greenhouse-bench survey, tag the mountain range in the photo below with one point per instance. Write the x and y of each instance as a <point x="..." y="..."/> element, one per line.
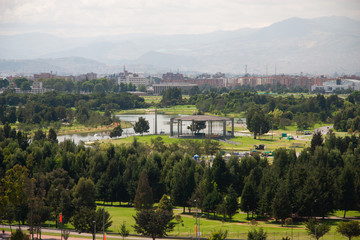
<point x="318" y="46"/>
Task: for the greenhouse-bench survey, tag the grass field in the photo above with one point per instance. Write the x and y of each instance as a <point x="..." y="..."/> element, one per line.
<point x="237" y="227"/>
<point x="178" y="109"/>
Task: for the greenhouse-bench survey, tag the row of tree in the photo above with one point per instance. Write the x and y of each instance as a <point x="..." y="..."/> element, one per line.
<point x="320" y="180"/>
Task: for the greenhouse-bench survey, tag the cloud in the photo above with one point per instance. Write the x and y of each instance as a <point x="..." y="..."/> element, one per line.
<point x="94" y="17"/>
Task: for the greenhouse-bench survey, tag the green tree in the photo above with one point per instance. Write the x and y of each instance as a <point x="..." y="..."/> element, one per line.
<point x="316" y="140"/>
<point x="165" y="203"/>
<point x="257" y="122"/>
<point x="153" y="223"/>
<point x="19" y="235"/>
<point x="171" y="96"/>
<point x="182" y="182"/>
<point x="211" y="147"/>
<point x="347" y="193"/>
<point x="212" y="201"/>
<point x="142" y="88"/>
<point x="349" y="229"/>
<point x="220" y="235"/>
<point x="116" y="132"/>
<point x="281" y="206"/>
<point x="25" y="86"/>
<point x="249" y="198"/>
<point x="316" y="229"/>
<point x="141" y="126"/>
<point x="14" y="184"/>
<point x="84" y="194"/>
<point x="52" y="135"/>
<point x="144" y="196"/>
<point x="219" y="173"/>
<point x="123" y="231"/>
<point x="257" y="235"/>
<point x="85" y="219"/>
<point x="197" y="126"/>
<point x="230" y="201"/>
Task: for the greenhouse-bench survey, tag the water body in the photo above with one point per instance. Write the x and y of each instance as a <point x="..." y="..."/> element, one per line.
<point x="163" y="123"/>
<point x="163" y="127"/>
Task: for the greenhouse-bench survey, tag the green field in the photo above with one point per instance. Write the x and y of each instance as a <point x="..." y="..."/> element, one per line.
<point x="178" y="109"/>
<point x="237" y="227"/>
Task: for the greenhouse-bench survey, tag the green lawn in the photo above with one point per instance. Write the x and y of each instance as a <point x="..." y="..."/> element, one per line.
<point x="237" y="227"/>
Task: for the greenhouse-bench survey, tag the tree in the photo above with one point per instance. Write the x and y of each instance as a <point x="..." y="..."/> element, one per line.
<point x="85" y="219"/>
<point x="141" y="126"/>
<point x="349" y="229"/>
<point x="14" y="194"/>
<point x="52" y="135"/>
<point x="257" y="235"/>
<point x="153" y="223"/>
<point x="220" y="235"/>
<point x="144" y="196"/>
<point x="25" y="86"/>
<point x="19" y="235"/>
<point x="219" y="173"/>
<point x="116" y="132"/>
<point x="197" y="126"/>
<point x="39" y="135"/>
<point x="84" y="194"/>
<point x="212" y="201"/>
<point x="249" y="198"/>
<point x="257" y="122"/>
<point x="211" y="147"/>
<point x="182" y="182"/>
<point x="281" y="207"/>
<point x="230" y="202"/>
<point x="165" y="203"/>
<point x="123" y="231"/>
<point x="347" y="193"/>
<point x="142" y="88"/>
<point x="316" y="229"/>
<point x="316" y="140"/>
<point x="171" y="96"/>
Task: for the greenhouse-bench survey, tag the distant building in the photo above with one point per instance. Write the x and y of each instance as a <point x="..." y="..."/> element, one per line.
<point x="82" y="77"/>
<point x="337" y="85"/>
<point x="158" y="88"/>
<point x="133" y="78"/>
<point x="44" y="76"/>
<point x="172" y="77"/>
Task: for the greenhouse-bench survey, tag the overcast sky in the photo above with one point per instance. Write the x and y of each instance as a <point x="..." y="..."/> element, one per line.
<point x="112" y="17"/>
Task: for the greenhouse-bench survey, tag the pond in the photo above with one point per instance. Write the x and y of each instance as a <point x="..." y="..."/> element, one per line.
<point x="163" y="123"/>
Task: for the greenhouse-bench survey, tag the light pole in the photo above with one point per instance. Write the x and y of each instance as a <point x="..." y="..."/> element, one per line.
<point x="94" y="236"/>
<point x="196" y="221"/>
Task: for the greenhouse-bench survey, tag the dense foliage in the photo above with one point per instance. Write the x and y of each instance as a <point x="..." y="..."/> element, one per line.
<point x="71" y="177"/>
<point x="283" y="111"/>
<point x="54" y="107"/>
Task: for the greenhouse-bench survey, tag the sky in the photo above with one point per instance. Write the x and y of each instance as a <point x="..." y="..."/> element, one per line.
<point x="81" y="18"/>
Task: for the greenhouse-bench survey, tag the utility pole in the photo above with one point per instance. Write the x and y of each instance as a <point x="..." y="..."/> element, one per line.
<point x="196" y="221"/>
<point x="94" y="236"/>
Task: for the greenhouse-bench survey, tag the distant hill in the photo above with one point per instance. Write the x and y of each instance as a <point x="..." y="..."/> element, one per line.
<point x="320" y="46"/>
<point x="69" y="65"/>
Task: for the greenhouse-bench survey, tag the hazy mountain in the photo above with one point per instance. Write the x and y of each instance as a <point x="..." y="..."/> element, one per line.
<point x="320" y="45"/>
<point x="69" y="65"/>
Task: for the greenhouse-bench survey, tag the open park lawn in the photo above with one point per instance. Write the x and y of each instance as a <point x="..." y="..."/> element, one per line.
<point x="237" y="227"/>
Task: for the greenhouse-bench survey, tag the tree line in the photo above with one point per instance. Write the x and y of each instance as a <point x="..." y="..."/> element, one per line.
<point x="52" y="107"/>
<point x="280" y="111"/>
<point x="65" y="176"/>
